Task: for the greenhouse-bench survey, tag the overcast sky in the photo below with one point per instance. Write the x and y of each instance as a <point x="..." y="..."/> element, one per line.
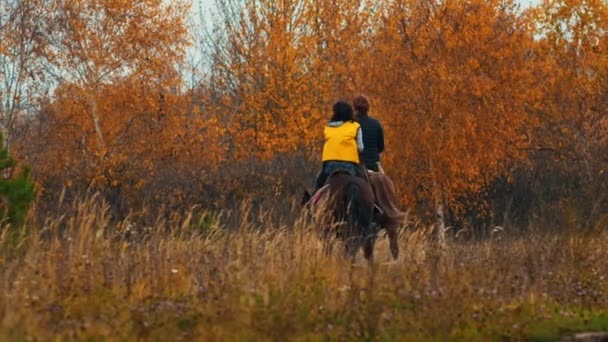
<point x="207" y="4"/>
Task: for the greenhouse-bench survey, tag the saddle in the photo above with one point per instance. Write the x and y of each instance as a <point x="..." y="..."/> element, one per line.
<point x="317" y="194"/>
<point x="338" y="172"/>
<point x="365" y="175"/>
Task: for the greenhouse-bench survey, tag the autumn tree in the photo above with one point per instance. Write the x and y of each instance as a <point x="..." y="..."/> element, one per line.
<point x="276" y="68"/>
<point x="114" y="63"/>
<point x="21" y="81"/>
<point x="457" y="84"/>
<point x="467" y="91"/>
<point x="573" y="36"/>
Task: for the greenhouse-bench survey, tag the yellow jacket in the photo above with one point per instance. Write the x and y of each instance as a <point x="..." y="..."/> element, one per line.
<point x="342" y="142"/>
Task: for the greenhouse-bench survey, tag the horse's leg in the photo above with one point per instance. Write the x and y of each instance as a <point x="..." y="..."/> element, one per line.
<point x="393" y="238"/>
<point x="352" y="244"/>
<point x="368" y="248"/>
<point x="328" y="244"/>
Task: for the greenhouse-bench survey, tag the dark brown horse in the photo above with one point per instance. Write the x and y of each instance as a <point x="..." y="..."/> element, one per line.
<point x="345" y="207"/>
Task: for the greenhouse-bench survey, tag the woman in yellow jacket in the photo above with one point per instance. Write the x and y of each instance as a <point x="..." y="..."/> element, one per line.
<point x="343" y="143"/>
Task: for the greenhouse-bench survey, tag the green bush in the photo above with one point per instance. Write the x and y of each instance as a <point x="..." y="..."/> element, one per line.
<point x="16" y="191"/>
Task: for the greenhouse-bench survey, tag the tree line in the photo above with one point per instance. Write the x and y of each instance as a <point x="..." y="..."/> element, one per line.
<point x="495" y="115"/>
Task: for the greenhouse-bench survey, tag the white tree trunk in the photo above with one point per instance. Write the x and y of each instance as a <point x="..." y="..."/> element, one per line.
<point x="438" y="195"/>
<point x="96" y="121"/>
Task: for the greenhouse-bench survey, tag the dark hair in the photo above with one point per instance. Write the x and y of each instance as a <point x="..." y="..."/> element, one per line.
<point x="361" y="104"/>
<point x="342" y="112"/>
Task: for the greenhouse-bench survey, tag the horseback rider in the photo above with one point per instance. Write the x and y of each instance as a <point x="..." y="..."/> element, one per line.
<point x="343" y="143"/>
<point x="345" y="148"/>
<point x="373" y="135"/>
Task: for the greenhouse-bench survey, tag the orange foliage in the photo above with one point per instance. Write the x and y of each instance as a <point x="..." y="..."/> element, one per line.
<point x="459" y="92"/>
<point x="466" y="90"/>
<point x="116" y="66"/>
<point x="276" y="71"/>
<point x="575" y="40"/>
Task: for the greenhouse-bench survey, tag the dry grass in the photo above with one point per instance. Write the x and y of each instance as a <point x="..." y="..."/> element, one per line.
<point x="83" y="277"/>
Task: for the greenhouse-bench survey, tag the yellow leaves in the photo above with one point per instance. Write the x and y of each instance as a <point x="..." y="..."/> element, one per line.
<point x="115" y="61"/>
<point x="287" y="74"/>
<point x="98" y="44"/>
<point x="461" y="87"/>
<point x="455" y="92"/>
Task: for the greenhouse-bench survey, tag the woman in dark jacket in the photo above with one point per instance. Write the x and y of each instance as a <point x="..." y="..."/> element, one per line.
<point x="373" y="135"/>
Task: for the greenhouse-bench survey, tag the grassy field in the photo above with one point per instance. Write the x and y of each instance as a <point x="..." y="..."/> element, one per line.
<point x="83" y="277"/>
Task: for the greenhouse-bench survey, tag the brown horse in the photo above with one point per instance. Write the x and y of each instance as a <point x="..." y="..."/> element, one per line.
<point x="347" y="205"/>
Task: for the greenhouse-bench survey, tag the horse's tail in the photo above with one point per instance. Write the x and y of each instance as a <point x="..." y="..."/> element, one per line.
<point x="386" y="198"/>
<point x="358" y="212"/>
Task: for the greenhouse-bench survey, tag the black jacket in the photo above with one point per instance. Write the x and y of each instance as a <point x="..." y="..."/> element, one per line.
<point x="373" y="140"/>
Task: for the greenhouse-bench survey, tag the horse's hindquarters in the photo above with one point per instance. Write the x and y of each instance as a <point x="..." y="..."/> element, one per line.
<point x="345" y="209"/>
